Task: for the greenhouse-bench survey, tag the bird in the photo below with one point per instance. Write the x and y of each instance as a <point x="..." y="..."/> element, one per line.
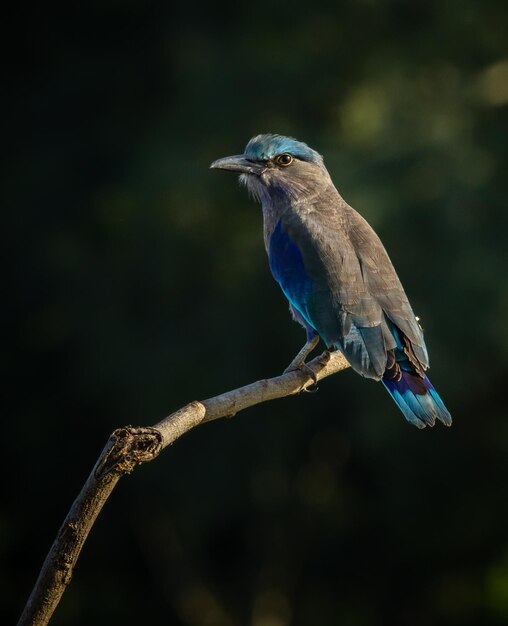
<point x="336" y="274"/>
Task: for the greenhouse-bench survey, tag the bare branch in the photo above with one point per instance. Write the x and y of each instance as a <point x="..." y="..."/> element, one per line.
<point x="127" y="448"/>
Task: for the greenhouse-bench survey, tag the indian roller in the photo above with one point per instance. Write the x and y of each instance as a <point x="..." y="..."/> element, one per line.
<point x="336" y="274"/>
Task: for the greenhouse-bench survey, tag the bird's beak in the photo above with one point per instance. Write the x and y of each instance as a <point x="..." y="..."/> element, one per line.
<point x="238" y="163"/>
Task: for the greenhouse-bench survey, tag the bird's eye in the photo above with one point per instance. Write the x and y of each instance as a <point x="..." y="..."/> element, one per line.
<point x="284" y="159"/>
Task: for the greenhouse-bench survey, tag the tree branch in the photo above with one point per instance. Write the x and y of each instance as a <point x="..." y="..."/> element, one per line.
<point x="127" y="448"/>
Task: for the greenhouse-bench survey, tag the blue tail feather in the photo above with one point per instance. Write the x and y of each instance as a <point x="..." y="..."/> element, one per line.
<point x="418" y="400"/>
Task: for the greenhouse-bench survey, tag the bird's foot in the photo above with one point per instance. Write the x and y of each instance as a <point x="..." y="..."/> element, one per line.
<point x="313" y="387"/>
<point x="303" y="367"/>
<point x="298" y="363"/>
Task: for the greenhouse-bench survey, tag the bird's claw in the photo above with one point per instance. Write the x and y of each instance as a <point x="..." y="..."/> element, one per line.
<point x="303" y="367"/>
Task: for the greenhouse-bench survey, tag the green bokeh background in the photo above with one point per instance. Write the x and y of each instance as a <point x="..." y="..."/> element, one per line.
<point x="136" y="281"/>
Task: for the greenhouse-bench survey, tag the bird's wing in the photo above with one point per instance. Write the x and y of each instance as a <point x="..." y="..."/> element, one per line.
<point x="335" y="271"/>
<point x="383" y="284"/>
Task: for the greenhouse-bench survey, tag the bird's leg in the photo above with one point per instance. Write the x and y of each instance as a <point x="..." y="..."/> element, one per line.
<point x="299" y="359"/>
<point x="298" y="363"/>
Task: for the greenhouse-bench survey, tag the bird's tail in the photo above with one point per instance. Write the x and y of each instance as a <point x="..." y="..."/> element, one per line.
<point x="418" y="400"/>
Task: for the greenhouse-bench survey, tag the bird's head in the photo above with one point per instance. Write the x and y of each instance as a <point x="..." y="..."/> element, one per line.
<point x="277" y="167"/>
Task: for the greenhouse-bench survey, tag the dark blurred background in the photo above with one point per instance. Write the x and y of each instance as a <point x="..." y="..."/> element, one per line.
<point x="136" y="281"/>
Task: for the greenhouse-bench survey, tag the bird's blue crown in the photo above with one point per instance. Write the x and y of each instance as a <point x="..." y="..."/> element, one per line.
<point x="267" y="146"/>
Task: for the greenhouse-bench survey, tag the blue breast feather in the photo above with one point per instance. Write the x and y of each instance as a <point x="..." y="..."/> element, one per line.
<point x="288" y="269"/>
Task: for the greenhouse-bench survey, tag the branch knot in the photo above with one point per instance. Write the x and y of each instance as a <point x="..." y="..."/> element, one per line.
<point x="128" y="447"/>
